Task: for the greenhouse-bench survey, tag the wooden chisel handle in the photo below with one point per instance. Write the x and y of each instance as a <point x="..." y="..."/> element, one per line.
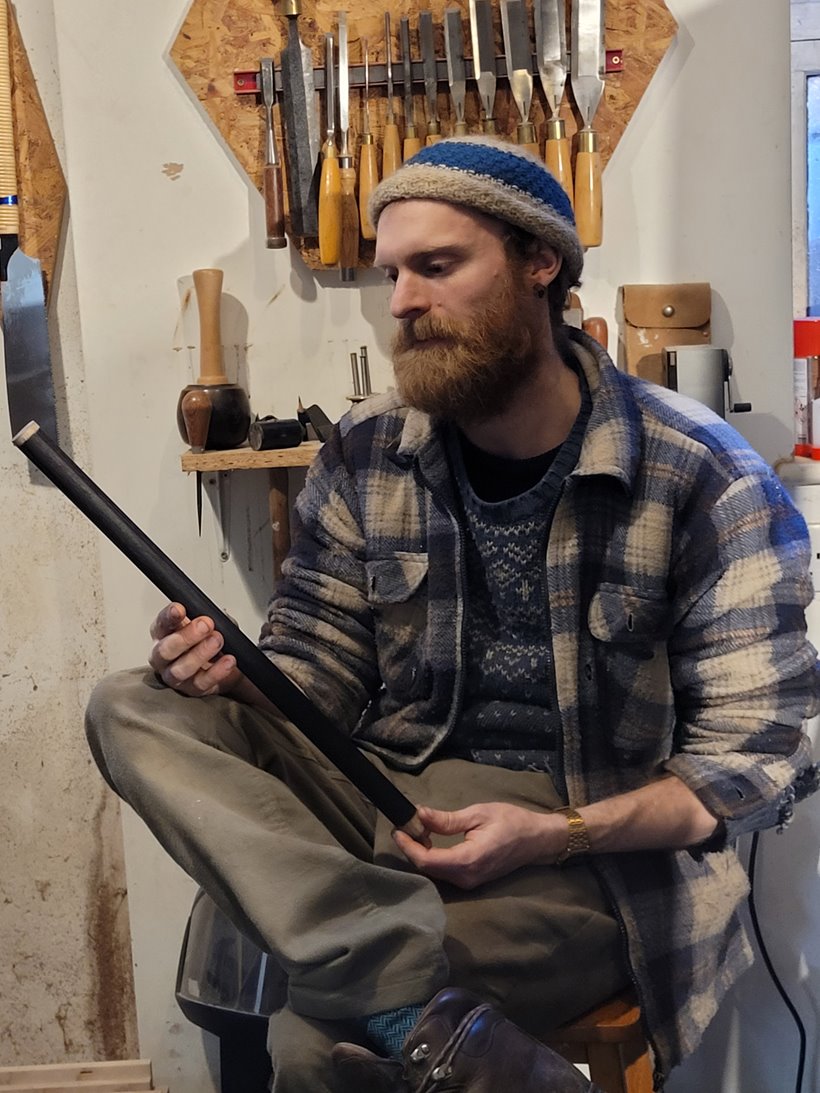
<point x="330" y="208"/>
<point x="557" y="155"/>
<point x="588" y="197"/>
<point x="391" y="149"/>
<point x="368" y="181"/>
<point x="349" y="256"/>
<point x="412" y="143"/>
<point x="274" y="205"/>
<point x="208" y="286"/>
<point x="596" y="328"/>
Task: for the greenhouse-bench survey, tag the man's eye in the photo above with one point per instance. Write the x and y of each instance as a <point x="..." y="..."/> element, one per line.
<point x="436" y="269"/>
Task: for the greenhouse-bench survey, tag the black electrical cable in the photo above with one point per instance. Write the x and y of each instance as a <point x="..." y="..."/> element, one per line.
<point x="801" y="1028"/>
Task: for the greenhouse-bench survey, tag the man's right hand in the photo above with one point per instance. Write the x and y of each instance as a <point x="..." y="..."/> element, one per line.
<point x="185" y="654"/>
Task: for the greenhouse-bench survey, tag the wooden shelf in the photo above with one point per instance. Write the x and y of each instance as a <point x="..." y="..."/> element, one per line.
<point x="246" y="459"/>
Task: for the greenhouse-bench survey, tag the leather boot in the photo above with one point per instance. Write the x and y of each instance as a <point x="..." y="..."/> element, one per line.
<point x="462" y="1044"/>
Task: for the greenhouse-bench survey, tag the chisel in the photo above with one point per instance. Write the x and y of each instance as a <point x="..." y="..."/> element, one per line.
<point x="349" y="256"/>
<point x="519" y="71"/>
<point x="412" y="142"/>
<point x="481" y="31"/>
<point x="456" y="72"/>
<point x="551" y="50"/>
<point x="272" y="171"/>
<point x="330" y="187"/>
<point x="302" y="127"/>
<point x="368" y="164"/>
<point x="391" y="147"/>
<point x="588" y="61"/>
<point x="428" y="61"/>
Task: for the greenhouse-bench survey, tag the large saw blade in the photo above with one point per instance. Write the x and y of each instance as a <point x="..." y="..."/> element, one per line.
<point x="28" y="359"/>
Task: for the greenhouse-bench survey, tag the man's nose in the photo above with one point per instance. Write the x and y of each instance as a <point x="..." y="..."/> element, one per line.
<point x="410" y="299"/>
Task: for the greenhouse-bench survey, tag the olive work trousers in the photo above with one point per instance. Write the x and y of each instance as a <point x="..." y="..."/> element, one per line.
<point x="306" y="868"/>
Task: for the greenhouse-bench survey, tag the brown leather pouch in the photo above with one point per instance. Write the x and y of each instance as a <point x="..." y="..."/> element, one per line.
<point x="657" y="316"/>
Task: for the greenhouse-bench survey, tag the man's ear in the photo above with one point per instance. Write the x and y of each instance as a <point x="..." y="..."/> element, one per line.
<point x="545" y="265"/>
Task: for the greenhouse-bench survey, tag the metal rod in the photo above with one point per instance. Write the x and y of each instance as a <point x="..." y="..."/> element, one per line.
<point x="173" y="583"/>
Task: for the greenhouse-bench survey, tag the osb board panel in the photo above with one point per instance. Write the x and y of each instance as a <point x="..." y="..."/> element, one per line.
<point x="41" y="186"/>
<point x="221" y="36"/>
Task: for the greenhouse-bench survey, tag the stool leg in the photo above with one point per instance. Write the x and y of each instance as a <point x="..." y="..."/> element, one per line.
<point x="637" y="1068"/>
<point x="605" y="1068"/>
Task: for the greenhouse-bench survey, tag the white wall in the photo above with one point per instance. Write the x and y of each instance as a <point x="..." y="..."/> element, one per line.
<point x="698" y="190"/>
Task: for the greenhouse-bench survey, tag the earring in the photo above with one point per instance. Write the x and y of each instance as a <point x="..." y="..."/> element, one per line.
<point x="540" y="291"/>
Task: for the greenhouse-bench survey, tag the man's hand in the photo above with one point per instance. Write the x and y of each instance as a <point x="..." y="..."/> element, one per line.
<point x="185" y="654"/>
<point x="498" y="838"/>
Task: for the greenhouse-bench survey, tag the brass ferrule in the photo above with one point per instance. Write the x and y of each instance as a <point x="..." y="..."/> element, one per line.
<point x="367" y="138"/>
<point x="488" y="125"/>
<point x="587" y="140"/>
<point x="292" y="7"/>
<point x="556" y="129"/>
<point x="526" y="133"/>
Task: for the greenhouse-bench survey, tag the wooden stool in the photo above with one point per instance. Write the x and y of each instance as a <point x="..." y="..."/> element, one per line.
<point x="610" y="1041"/>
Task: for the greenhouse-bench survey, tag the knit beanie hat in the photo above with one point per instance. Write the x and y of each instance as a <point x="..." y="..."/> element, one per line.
<point x="493" y="177"/>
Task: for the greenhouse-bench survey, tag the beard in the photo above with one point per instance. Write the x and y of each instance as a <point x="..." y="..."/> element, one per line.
<point x="466" y="371"/>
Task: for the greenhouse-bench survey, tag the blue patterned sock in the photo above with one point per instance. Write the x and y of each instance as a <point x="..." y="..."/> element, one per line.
<point x="388" y="1030"/>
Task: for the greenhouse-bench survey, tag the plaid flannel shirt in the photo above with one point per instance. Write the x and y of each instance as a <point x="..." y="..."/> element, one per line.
<point x="677" y="573"/>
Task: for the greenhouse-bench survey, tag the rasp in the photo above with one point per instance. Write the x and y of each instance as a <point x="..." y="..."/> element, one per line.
<point x="272" y="171"/>
<point x="391" y="144"/>
<point x="330" y="189"/>
<point x="481" y="31"/>
<point x="551" y="51"/>
<point x="347" y="169"/>
<point x="519" y="67"/>
<point x="587" y="67"/>
<point x="173" y="583"/>
<point x="25" y="328"/>
<point x="302" y="127"/>
<point x="456" y="70"/>
<point x="412" y="141"/>
<point x="428" y="64"/>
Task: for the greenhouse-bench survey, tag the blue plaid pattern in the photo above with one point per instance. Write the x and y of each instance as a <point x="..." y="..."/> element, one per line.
<point x="677" y="574"/>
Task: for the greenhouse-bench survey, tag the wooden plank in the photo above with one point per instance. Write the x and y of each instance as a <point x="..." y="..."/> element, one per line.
<point x="40" y="182"/>
<point x="117" y="1075"/>
<point x="97" y="1085"/>
<point x="246" y="459"/>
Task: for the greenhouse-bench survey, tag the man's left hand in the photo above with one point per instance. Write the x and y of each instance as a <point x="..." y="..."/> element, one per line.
<point x="497" y="839"/>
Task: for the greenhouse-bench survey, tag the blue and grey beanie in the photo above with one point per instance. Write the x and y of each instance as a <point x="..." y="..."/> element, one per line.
<point x="493" y="177"/>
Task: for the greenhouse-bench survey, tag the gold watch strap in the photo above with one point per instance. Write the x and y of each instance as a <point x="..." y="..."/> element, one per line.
<point x="578" y="839"/>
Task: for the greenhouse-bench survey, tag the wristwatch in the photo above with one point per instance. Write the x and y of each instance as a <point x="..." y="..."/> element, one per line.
<point x="578" y="841"/>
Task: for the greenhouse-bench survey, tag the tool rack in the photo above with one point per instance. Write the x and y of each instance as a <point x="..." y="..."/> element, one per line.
<point x="220" y="44"/>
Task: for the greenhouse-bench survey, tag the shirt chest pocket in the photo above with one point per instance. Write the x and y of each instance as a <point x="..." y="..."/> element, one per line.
<point x="397" y="594"/>
<point x="630" y="630"/>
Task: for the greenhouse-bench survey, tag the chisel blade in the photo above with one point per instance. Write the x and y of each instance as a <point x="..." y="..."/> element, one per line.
<point x="588" y="57"/>
<point x="481" y="30"/>
<point x="302" y="127"/>
<point x="428" y="61"/>
<point x="551" y="49"/>
<point x="29" y="379"/>
<point x="517" y="51"/>
<point x="456" y="70"/>
<point x="407" y="69"/>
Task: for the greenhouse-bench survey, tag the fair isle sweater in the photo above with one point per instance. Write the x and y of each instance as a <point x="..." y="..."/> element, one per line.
<point x="677" y="576"/>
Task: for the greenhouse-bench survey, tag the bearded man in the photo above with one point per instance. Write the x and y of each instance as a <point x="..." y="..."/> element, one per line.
<point x="563" y="608"/>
